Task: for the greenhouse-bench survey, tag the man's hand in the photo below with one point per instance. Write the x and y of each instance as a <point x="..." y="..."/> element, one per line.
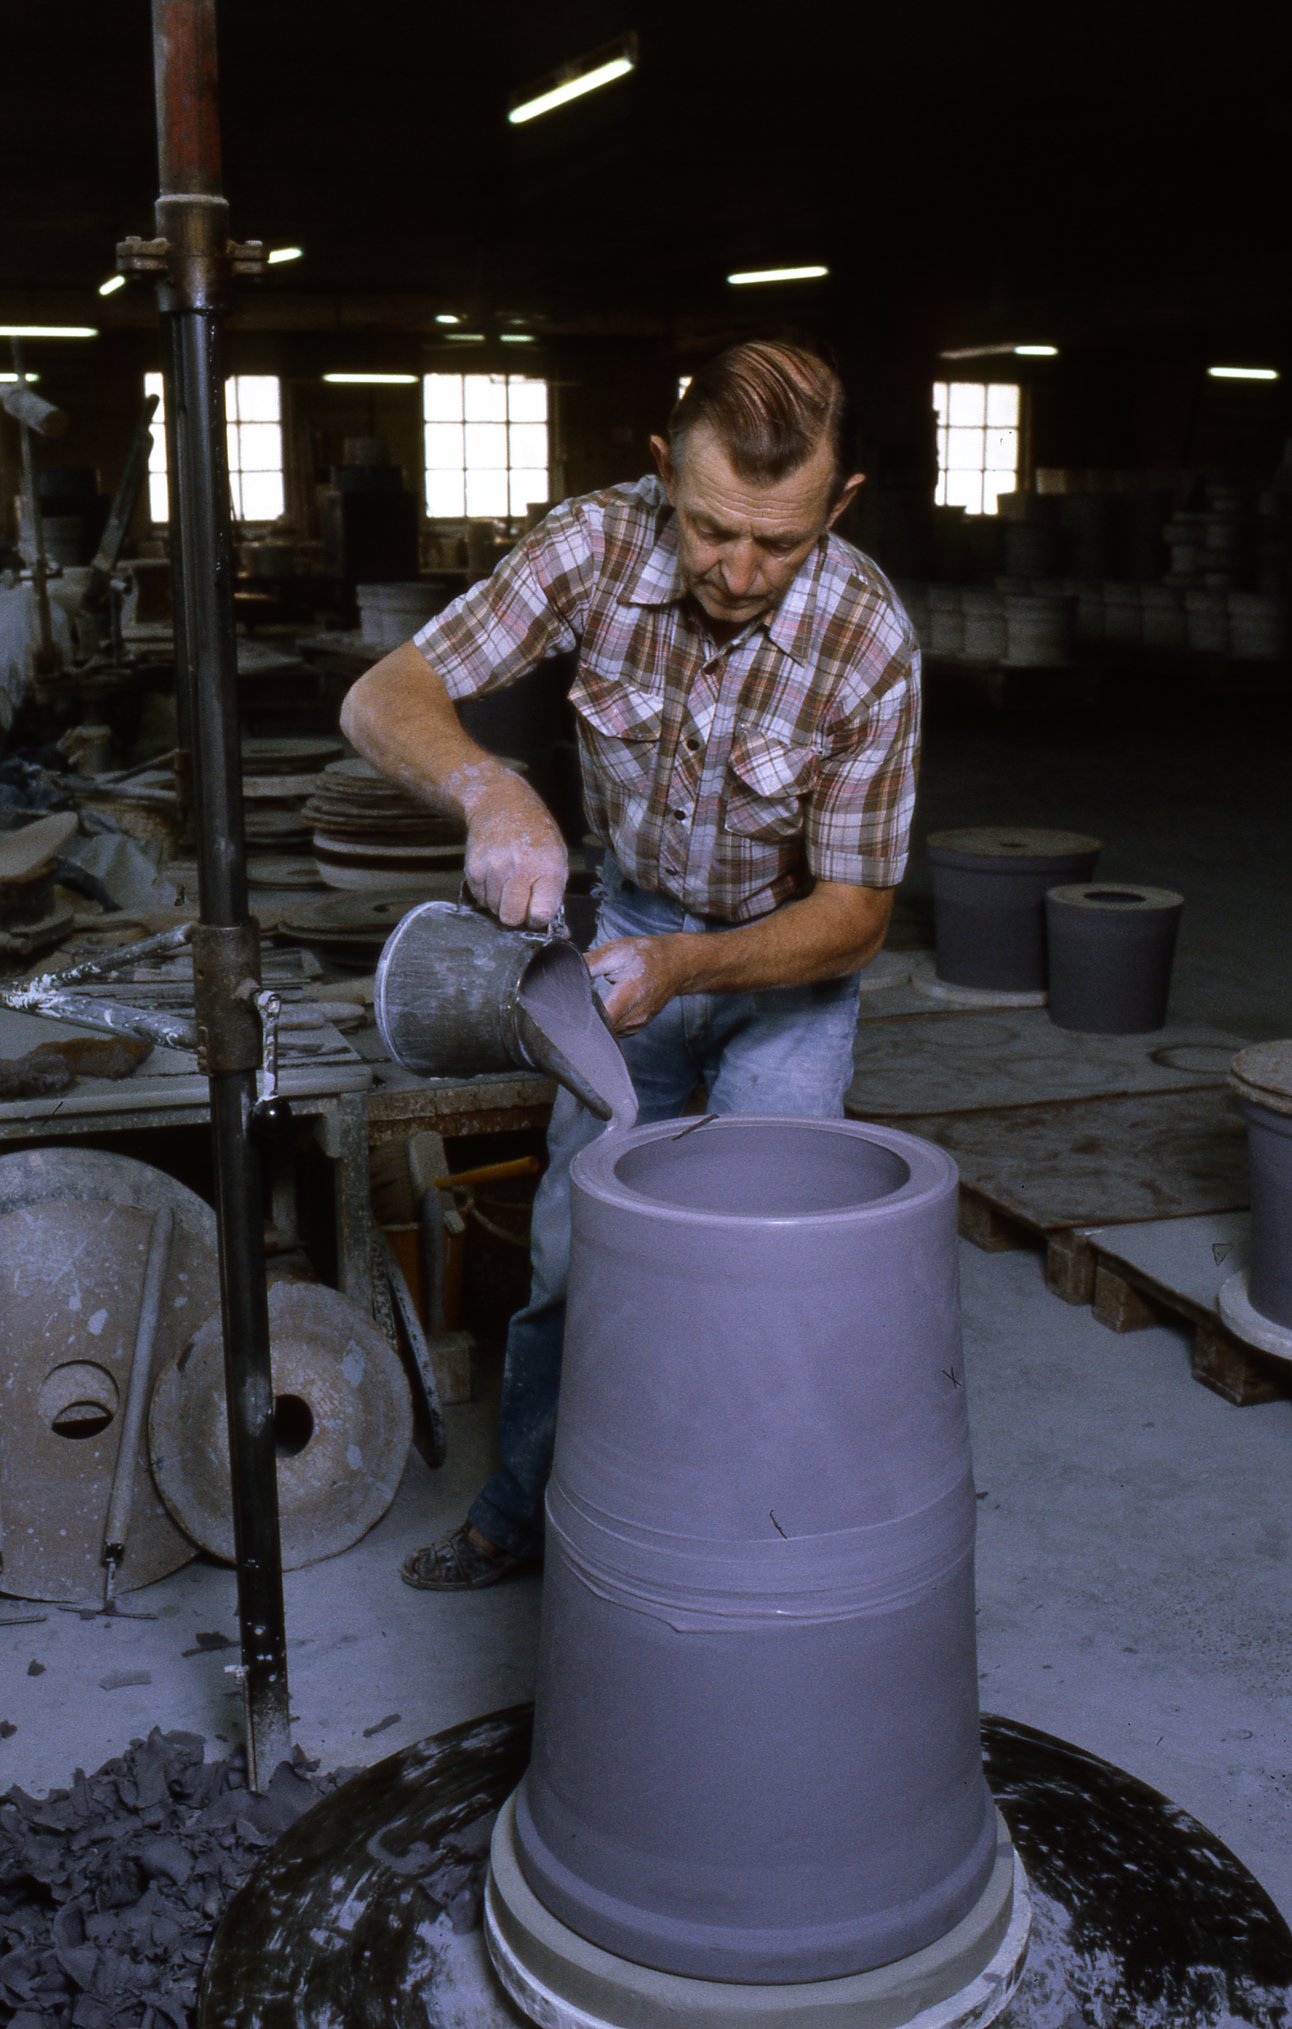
<point x="643" y="978"/>
<point x="516" y="863"/>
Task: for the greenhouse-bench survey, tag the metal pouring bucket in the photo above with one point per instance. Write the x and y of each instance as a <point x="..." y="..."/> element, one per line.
<point x="448" y="997"/>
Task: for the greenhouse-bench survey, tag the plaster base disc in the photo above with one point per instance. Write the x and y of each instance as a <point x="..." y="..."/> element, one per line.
<point x="927" y="981"/>
<point x="71" y="1277"/>
<point x="1247" y="1323"/>
<point x="343" y="1421"/>
<point x="963" y="1981"/>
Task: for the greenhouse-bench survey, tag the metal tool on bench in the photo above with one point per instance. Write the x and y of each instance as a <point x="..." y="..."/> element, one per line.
<point x="137" y="1391"/>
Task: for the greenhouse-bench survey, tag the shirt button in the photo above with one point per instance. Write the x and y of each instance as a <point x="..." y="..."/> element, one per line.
<point x="680" y="815"/>
<point x="693" y="746"/>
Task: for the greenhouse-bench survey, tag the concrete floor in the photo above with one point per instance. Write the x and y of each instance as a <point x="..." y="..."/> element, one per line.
<point x="1133" y="1563"/>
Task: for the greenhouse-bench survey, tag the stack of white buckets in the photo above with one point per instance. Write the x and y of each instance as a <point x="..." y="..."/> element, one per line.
<point x="1045" y="622"/>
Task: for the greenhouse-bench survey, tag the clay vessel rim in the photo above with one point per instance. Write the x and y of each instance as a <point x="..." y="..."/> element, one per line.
<point x="931" y="1172"/>
<point x="1125" y="896"/>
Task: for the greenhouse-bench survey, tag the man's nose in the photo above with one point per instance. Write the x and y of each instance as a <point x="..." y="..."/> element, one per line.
<point x="740" y="570"/>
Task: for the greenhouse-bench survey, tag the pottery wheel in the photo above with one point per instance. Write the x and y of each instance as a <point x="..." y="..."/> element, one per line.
<point x="342" y="1418"/>
<point x="71" y="1276"/>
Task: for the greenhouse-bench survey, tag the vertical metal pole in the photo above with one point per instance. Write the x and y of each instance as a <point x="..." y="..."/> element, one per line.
<point x="193" y="256"/>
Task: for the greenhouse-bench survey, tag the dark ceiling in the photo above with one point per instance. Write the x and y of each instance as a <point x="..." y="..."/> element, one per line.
<point x="1002" y="172"/>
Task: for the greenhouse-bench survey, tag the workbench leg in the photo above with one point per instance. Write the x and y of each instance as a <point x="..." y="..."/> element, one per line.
<point x="343" y="1136"/>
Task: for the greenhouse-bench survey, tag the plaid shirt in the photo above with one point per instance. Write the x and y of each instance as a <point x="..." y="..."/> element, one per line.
<point x="723" y="776"/>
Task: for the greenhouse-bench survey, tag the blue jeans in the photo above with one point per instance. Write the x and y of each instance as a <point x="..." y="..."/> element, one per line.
<point x="784" y="1049"/>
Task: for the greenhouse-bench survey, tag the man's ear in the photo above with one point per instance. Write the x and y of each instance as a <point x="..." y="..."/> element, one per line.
<point x="851" y="488"/>
<point x="664" y="466"/>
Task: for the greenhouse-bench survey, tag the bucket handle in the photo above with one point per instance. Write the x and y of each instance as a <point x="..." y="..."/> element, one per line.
<point x="557" y="928"/>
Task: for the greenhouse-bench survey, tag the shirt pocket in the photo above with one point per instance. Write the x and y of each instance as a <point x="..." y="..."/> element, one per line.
<point x="619" y="722"/>
<point x="767" y="780"/>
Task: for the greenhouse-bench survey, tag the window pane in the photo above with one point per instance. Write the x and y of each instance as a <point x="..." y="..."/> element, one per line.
<point x="486" y="397"/>
<point x="445" y="494"/>
<point x="253" y="397"/>
<point x="158" y="497"/>
<point x="442" y="397"/>
<point x="527" y="400"/>
<point x="1001" y="450"/>
<point x="1002" y="405"/>
<point x="964" y="489"/>
<point x="262" y="496"/>
<point x="444" y="447"/>
<point x="527" y="443"/>
<point x="968" y="402"/>
<point x="940" y="400"/>
<point x="527" y="487"/>
<point x="256" y="447"/>
<point x="487" y="493"/>
<point x="486" y="445"/>
<point x="940" y="496"/>
<point x="964" y="451"/>
<point x="993" y="485"/>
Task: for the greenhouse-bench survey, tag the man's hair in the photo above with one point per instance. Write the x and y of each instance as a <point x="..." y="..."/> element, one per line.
<point x="769" y="405"/>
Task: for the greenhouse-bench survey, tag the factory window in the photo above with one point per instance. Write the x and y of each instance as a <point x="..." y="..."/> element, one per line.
<point x="979" y="429"/>
<point x="486" y="444"/>
<point x="253" y="418"/>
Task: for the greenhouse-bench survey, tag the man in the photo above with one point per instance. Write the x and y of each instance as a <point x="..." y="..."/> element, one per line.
<point x="748" y="712"/>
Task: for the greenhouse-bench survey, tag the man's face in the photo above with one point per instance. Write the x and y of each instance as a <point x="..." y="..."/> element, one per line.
<point x="740" y="541"/>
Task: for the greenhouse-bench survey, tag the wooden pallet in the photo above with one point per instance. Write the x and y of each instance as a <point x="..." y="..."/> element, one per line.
<point x="1110" y="1189"/>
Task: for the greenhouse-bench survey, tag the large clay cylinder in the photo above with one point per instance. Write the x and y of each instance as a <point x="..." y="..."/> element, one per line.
<point x="756" y="1754"/>
<point x="1110" y="950"/>
<point x="1262" y="1074"/>
<point x="989" y="884"/>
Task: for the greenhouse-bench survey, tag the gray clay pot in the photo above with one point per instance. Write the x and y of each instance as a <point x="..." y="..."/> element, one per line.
<point x="989" y="885"/>
<point x="1262" y="1074"/>
<point x="1111" y="949"/>
<point x="756" y="1754"/>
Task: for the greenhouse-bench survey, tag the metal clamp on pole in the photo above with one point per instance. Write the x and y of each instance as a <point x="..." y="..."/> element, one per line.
<point x="226" y="980"/>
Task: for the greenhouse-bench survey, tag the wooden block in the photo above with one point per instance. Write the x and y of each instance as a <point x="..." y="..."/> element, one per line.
<point x="1070" y="1265"/>
<point x="452" y="1364"/>
<point x="1233" y="1370"/>
<point x="985" y="1226"/>
<point x="1119" y="1305"/>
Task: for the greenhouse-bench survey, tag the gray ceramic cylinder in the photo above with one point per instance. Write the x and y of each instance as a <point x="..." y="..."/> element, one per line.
<point x="1262" y="1075"/>
<point x="756" y="1753"/>
<point x="1111" y="949"/>
<point x="989" y="885"/>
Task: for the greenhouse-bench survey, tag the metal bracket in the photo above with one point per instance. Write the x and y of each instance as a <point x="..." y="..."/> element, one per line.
<point x="226" y="980"/>
<point x="192" y="255"/>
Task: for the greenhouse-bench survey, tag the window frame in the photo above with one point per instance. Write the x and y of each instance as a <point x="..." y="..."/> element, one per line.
<point x="945" y="427"/>
<point x="235" y="424"/>
<point x="464" y="423"/>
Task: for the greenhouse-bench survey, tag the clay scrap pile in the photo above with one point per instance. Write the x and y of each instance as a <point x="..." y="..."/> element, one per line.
<point x="110" y="1889"/>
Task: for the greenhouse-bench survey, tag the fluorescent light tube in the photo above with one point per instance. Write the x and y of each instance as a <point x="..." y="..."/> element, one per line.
<point x="1243" y="372"/>
<point x="113" y="283"/>
<point x="777" y="275"/>
<point x="517" y="337"/>
<point x="277" y="255"/>
<point x="372" y="379"/>
<point x="571" y="88"/>
<point x="1037" y="351"/>
<point x="48" y="331"/>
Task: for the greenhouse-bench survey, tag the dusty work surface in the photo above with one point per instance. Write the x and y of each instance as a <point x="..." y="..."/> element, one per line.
<point x="1018" y="1057"/>
<point x="1092" y="1162"/>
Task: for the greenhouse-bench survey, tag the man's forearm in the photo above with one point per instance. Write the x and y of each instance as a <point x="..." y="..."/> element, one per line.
<point x="402" y="719"/>
<point x="831" y="932"/>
